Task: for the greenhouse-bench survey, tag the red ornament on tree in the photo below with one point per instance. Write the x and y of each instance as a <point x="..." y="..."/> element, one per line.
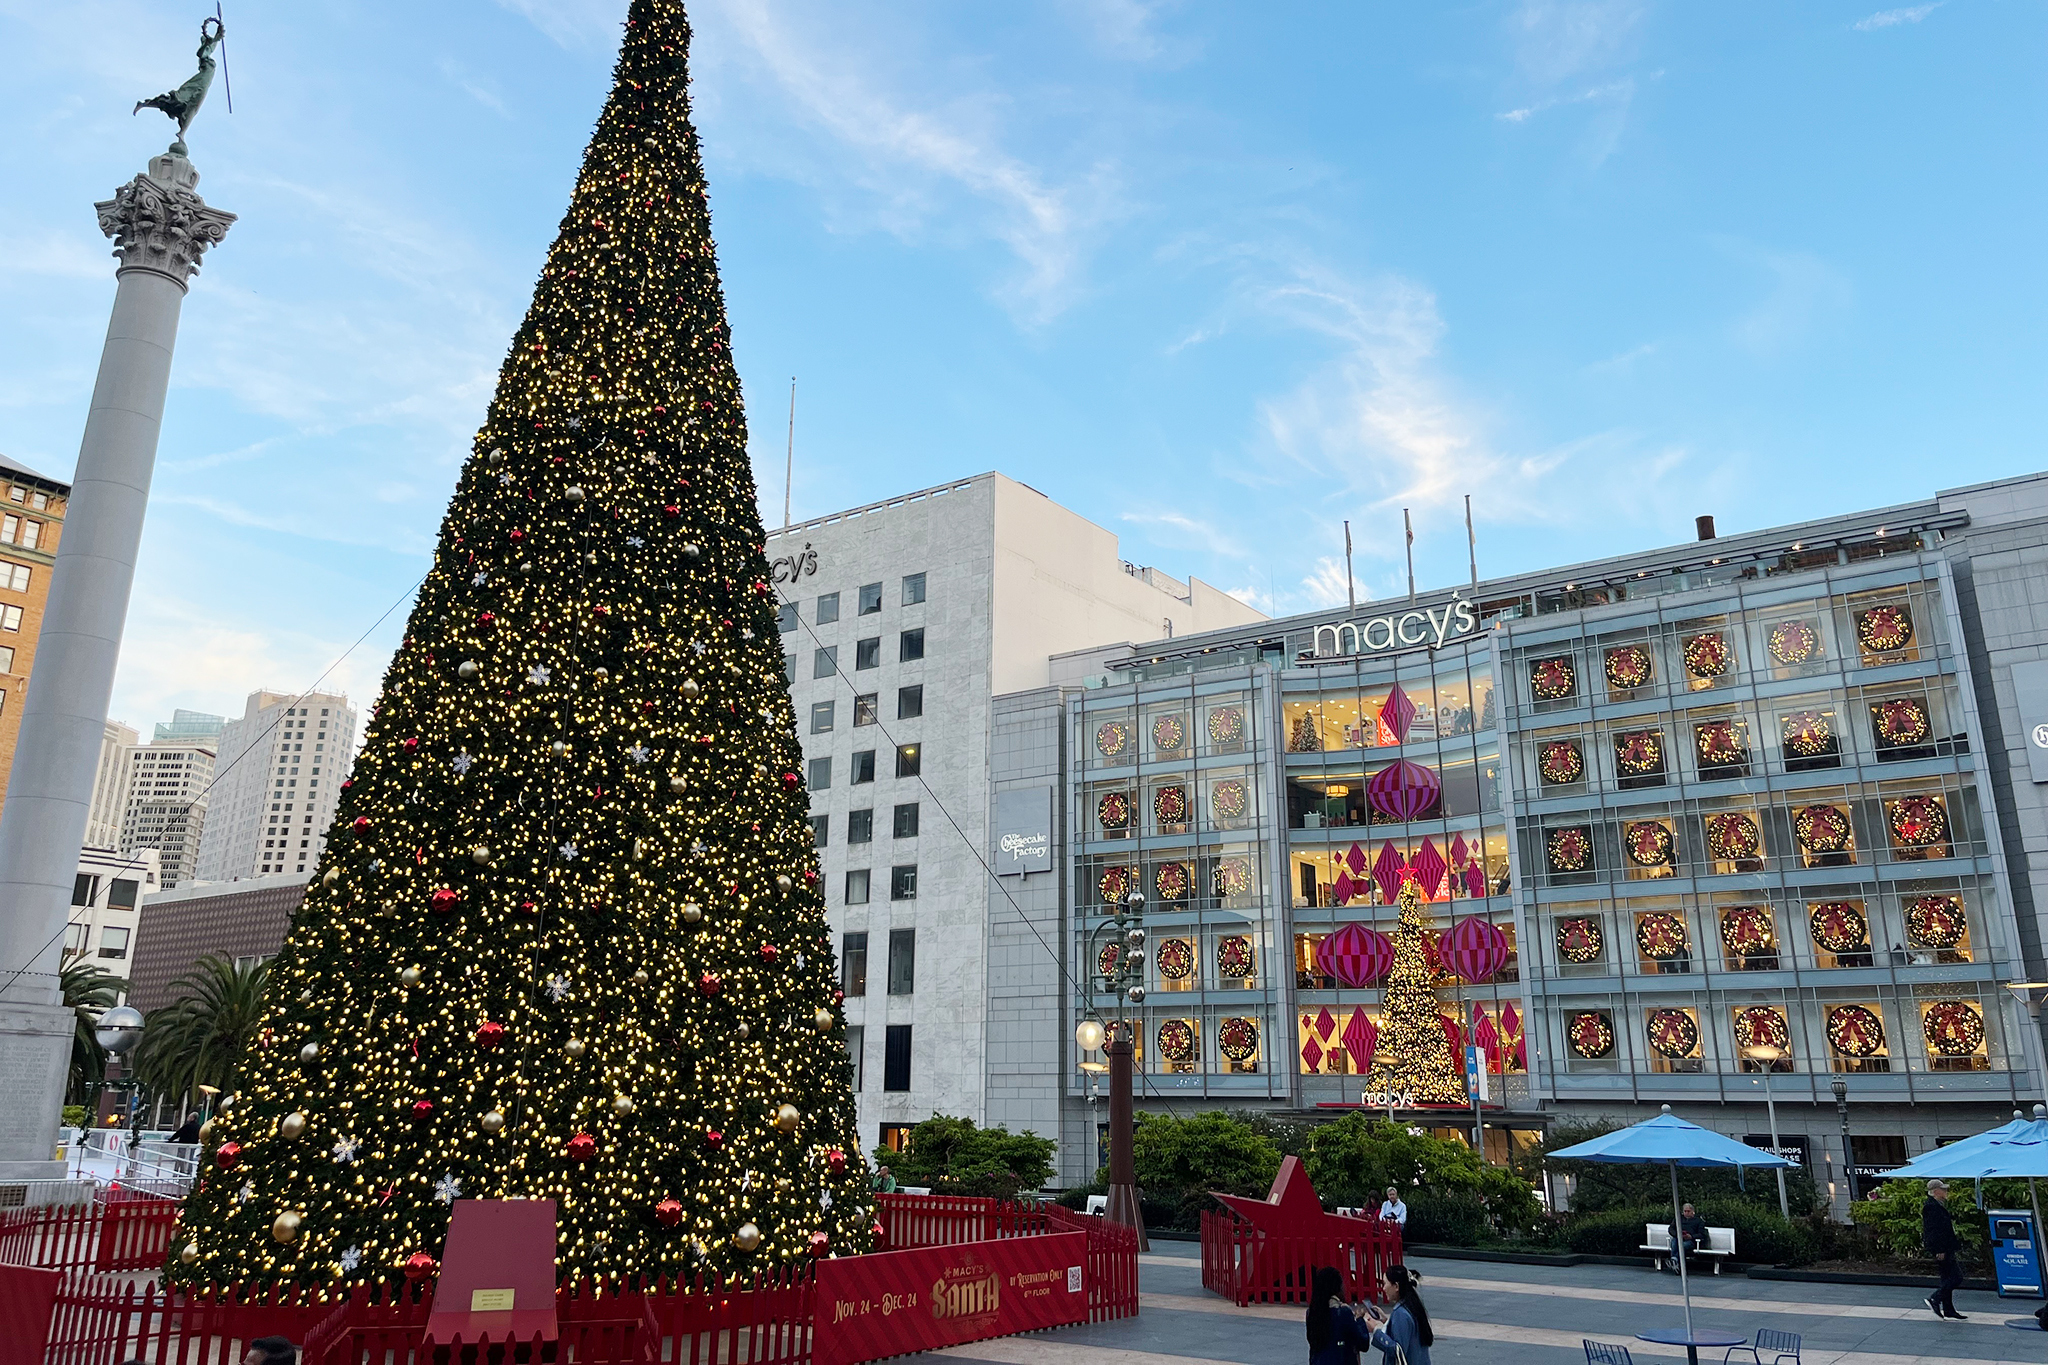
<point x="707" y="984"/>
<point x="420" y="1267"/>
<point x="580" y="1148"/>
<point x="422" y="1110"/>
<point x="769" y="952"/>
<point x="790" y="780"/>
<point x="362" y="823"/>
<point x="714" y="1139"/>
<point x="444" y="900"/>
<point x="836" y="1161"/>
<point x="668" y="1212"/>
<point x="411" y="742"/>
<point x="228" y="1155"/>
<point x="820" y="1243"/>
<point x="489" y="1034"/>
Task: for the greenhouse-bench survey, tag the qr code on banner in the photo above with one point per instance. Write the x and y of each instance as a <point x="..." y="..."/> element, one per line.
<point x="1073" y="1279"/>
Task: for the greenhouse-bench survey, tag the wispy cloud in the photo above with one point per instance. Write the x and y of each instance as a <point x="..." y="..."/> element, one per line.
<point x="1325" y="586"/>
<point x="474" y="86"/>
<point x="1561" y="40"/>
<point x="1802" y="292"/>
<point x="1177" y="528"/>
<point x="572" y="23"/>
<point x="1891" y="18"/>
<point x="1622" y="90"/>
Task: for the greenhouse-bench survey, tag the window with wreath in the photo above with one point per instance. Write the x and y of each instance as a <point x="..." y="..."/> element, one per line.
<point x="1841" y="933"/>
<point x="1568" y="849"/>
<point x="1581" y="941"/>
<point x="1639" y="758"/>
<point x="1237" y="1044"/>
<point x="1111" y="883"/>
<point x="1901" y="727"/>
<point x="1721" y="747"/>
<point x="1113" y="738"/>
<point x="1708" y="656"/>
<point x="1856" y="1036"/>
<point x="1167" y="736"/>
<point x="1589" y="1039"/>
<point x="1956" y="1034"/>
<point x="1178" y="1045"/>
<point x="1554" y="680"/>
<point x="1115" y="810"/>
<point x="1763" y="1038"/>
<point x="1176" y="963"/>
<point x="1918" y="826"/>
<point x="1228" y="799"/>
<point x="1237" y="962"/>
<point x="1824" y="833"/>
<point x="1226" y="725"/>
<point x="1649" y="848"/>
<point x="1233" y="876"/>
<point x="1937" y="929"/>
<point x="1734" y="840"/>
<point x="1663" y="940"/>
<point x="1629" y="668"/>
<point x="1886" y="631"/>
<point x="1795" y="644"/>
<point x="1172" y="807"/>
<point x="1749" y="937"/>
<point x="1560" y="762"/>
<point x="1809" y="735"/>
<point x="1673" y="1037"/>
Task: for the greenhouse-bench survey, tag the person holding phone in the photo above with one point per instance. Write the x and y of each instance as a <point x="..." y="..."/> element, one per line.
<point x="1334" y="1336"/>
<point x="1402" y="1332"/>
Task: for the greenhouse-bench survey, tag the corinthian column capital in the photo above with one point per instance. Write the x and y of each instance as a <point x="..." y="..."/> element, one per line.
<point x="160" y="224"/>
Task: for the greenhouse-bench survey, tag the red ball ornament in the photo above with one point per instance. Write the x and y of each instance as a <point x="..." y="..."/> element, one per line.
<point x="836" y="1160"/>
<point x="668" y="1212"/>
<point x="839" y="997"/>
<point x="411" y="741"/>
<point x="362" y="823"/>
<point x="444" y="900"/>
<point x="228" y="1155"/>
<point x="422" y="1110"/>
<point x="708" y="984"/>
<point x="489" y="1034"/>
<point x="820" y="1243"/>
<point x="790" y="780"/>
<point x="419" y="1267"/>
<point x="671" y="510"/>
<point x="582" y="1147"/>
<point x="517" y="534"/>
<point x="714" y="1139"/>
<point x="486" y="618"/>
<point x="769" y="952"/>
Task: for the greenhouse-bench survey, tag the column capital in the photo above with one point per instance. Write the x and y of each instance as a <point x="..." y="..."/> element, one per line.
<point x="160" y="224"/>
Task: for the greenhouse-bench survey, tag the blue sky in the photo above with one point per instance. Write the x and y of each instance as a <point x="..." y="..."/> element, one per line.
<point x="1217" y="276"/>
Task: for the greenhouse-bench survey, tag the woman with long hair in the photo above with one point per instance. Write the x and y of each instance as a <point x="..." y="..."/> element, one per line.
<point x="1402" y="1333"/>
<point x="1334" y="1336"/>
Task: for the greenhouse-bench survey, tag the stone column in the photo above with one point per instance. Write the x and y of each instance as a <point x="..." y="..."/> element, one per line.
<point x="160" y="229"/>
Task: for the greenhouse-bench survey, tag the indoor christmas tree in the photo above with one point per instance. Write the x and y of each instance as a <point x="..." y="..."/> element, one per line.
<point x="1414" y="1058"/>
<point x="568" y="941"/>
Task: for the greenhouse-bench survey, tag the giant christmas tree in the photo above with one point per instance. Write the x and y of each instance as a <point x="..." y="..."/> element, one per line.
<point x="568" y="940"/>
<point x="1414" y="1057"/>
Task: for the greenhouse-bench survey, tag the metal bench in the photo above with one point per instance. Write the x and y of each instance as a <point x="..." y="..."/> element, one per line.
<point x="1657" y="1241"/>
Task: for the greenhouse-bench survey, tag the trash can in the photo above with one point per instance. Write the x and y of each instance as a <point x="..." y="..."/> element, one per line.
<point x="2015" y="1253"/>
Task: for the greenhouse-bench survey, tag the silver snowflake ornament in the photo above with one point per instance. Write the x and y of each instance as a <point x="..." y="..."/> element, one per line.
<point x="634" y="542"/>
<point x="447" y="1189"/>
<point x="246" y="1193"/>
<point x="700" y="647"/>
<point x="345" y="1150"/>
<point x="462" y="763"/>
<point x="351" y="1259"/>
<point x="568" y="852"/>
<point x="505" y="479"/>
<point x="799" y="960"/>
<point x="824" y="1199"/>
<point x="639" y="753"/>
<point x="538" y="675"/>
<point x="557" y="987"/>
<point x="746" y="635"/>
<point x="479" y="579"/>
<point x="574" y="424"/>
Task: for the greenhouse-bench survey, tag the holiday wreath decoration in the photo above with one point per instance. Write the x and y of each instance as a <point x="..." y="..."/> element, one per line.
<point x="1229" y="799"/>
<point x="1707" y="655"/>
<point x="1673" y="1033"/>
<point x="1807" y="733"/>
<point x="1663" y="937"/>
<point x="1560" y="761"/>
<point x="1579" y="939"/>
<point x="1839" y="927"/>
<point x="1639" y="753"/>
<point x="1747" y="930"/>
<point x="1169" y="733"/>
<point x="1570" y="849"/>
<point x="1628" y="667"/>
<point x="1759" y="1026"/>
<point x="1177" y="1041"/>
<point x="1553" y="679"/>
<point x="1113" y="811"/>
<point x="1649" y="843"/>
<point x="1234" y="958"/>
<point x="1855" y="1031"/>
<point x="1237" y="1038"/>
<point x="1592" y="1034"/>
<point x="1821" y="828"/>
<point x="1794" y="642"/>
<point x="1172" y="881"/>
<point x="1233" y="876"/>
<point x="1732" y="837"/>
<point x="1112" y="738"/>
<point x="1226" y="726"/>
<point x="1170" y="805"/>
<point x="1176" y="959"/>
<point x="1900" y="722"/>
<point x="1117" y="883"/>
<point x="1720" y="743"/>
<point x="1954" y="1028"/>
<point x="1106" y="960"/>
<point x="1884" y="629"/>
<point x="1916" y="821"/>
<point x="1935" y="921"/>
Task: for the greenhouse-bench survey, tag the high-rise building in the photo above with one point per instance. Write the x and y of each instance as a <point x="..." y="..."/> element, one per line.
<point x="31" y="522"/>
<point x="190" y="727"/>
<point x="167" y="803"/>
<point x="110" y="787"/>
<point x="282" y="763"/>
<point x="899" y="622"/>
<point x="106" y="906"/>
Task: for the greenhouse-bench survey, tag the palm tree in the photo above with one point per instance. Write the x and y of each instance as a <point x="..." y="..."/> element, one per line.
<point x="88" y="990"/>
<point x="198" y="1038"/>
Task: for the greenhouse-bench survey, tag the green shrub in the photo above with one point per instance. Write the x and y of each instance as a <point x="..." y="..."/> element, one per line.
<point x="77" y="1116"/>
<point x="1762" y="1235"/>
<point x="1611" y="1232"/>
<point x="1892" y="1216"/>
<point x="1353" y="1160"/>
<point x="952" y="1156"/>
<point x="1179" y="1161"/>
<point x="1455" y="1218"/>
<point x="1600" y="1185"/>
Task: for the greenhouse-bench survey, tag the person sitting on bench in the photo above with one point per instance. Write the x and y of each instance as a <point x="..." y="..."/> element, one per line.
<point x="1691" y="1229"/>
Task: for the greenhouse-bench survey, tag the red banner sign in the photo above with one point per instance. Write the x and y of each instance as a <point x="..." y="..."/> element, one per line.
<point x="895" y="1302"/>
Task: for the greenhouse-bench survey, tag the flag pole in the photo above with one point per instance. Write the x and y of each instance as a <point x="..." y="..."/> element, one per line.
<point x="227" y="86"/>
<point x="1472" y="544"/>
<point x="1408" y="525"/>
<point x="1350" y="588"/>
<point x="789" y="468"/>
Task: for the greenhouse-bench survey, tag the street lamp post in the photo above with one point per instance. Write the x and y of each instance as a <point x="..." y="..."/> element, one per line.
<point x="1841" y="1090"/>
<point x="1122" y="974"/>
<point x="1769" y="1056"/>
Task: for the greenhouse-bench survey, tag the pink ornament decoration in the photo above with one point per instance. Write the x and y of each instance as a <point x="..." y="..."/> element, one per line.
<point x="1397" y="713"/>
<point x="1475" y="881"/>
<point x="1344" y="888"/>
<point x="1475" y="949"/>
<point x="1403" y="790"/>
<point x="1355" y="955"/>
<point x="1485" y="1035"/>
<point x="1356" y="861"/>
<point x="1386" y="870"/>
<point x="1429" y="868"/>
<point x="1361" y="1036"/>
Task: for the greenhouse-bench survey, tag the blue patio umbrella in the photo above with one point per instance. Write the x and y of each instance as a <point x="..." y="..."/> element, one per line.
<point x="2012" y="1151"/>
<point x="1671" y="1141"/>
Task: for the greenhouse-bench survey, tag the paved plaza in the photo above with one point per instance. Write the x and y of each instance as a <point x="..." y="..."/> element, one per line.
<point x="1487" y="1312"/>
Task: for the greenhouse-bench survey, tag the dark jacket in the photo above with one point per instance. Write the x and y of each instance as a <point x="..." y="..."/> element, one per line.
<point x="1937" y="1229"/>
<point x="1347" y="1339"/>
<point x="1695" y="1229"/>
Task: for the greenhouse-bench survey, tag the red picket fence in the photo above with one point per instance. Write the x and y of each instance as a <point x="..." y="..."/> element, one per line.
<point x="927" y="1220"/>
<point x="126" y="1230"/>
<point x="1246" y="1265"/>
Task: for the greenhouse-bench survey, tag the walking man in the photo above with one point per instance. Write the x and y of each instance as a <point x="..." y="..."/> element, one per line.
<point x="1938" y="1236"/>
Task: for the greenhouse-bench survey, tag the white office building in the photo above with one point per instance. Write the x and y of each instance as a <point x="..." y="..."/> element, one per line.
<point x="106" y="905"/>
<point x="900" y="621"/>
<point x="167" y="804"/>
<point x="110" y="787"/>
<point x="282" y="765"/>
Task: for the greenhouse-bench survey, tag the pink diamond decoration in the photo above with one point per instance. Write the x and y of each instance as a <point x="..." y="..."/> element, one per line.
<point x="1398" y="713"/>
<point x="1343" y="888"/>
<point x="1458" y="850"/>
<point x="1475" y="880"/>
<point x="1355" y="860"/>
<point x="1386" y="870"/>
<point x="1360" y="1037"/>
<point x="1430" y="869"/>
<point x="1325" y="1022"/>
<point x="1312" y="1054"/>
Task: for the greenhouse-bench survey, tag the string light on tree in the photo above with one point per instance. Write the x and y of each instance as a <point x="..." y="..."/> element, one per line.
<point x="1412" y="1056"/>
